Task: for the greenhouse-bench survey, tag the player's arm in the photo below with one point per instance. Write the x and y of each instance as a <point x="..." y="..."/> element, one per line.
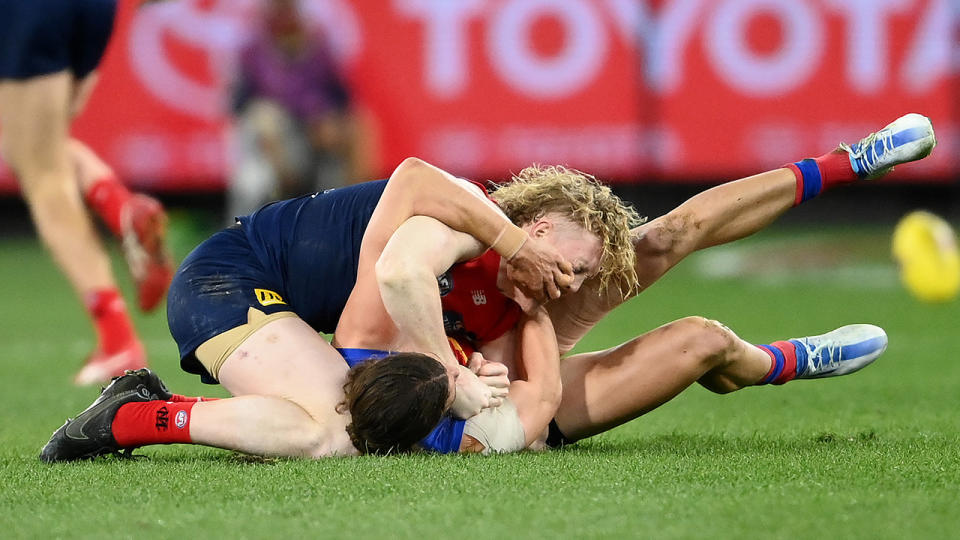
<point x="535" y="391"/>
<point x="421" y="249"/>
<point x="721" y="214"/>
<point x="418" y="188"/>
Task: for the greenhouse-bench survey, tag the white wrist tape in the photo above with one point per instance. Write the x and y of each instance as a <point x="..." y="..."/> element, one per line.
<point x="498" y="429"/>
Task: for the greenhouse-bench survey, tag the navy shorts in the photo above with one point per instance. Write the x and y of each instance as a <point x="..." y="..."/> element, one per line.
<point x="212" y="291"/>
<point x="39" y="37"/>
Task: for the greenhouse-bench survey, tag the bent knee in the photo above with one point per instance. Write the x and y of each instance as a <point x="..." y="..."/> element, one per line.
<point x="707" y="339"/>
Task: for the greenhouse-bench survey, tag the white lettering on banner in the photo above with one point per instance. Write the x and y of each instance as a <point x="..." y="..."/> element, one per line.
<point x="340" y="26"/>
<point x="217" y="28"/>
<point x="933" y="47"/>
<point x="209" y="31"/>
<point x="445" y="39"/>
<point x="627" y="17"/>
<point x="767" y="74"/>
<point x="868" y="50"/>
<point x="664" y="40"/>
<point x="607" y="146"/>
<point x="573" y="67"/>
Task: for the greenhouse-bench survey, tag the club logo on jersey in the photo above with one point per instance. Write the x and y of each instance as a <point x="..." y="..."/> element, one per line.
<point x="452" y="322"/>
<point x="445" y="282"/>
<point x="180" y="419"/>
<point x="268" y="298"/>
<point x="479" y="298"/>
<point x="163" y="418"/>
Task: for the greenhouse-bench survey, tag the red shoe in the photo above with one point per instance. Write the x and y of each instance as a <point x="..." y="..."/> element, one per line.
<point x="144" y="225"/>
<point x="102" y="367"/>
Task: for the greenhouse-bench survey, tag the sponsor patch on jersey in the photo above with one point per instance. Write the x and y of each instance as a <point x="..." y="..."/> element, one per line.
<point x="268" y="298"/>
<point x="180" y="419"/>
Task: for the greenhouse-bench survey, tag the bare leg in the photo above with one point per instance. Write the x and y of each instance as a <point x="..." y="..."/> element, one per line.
<point x="35" y="115"/>
<point x="87" y="164"/>
<point x="287" y="381"/>
<point x="82" y="92"/>
<point x="604" y="389"/>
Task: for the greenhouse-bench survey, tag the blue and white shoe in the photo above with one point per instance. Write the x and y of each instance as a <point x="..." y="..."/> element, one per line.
<point x="907" y="138"/>
<point x="842" y="351"/>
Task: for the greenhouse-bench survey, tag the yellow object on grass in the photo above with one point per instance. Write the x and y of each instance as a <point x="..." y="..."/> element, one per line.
<point x="925" y="246"/>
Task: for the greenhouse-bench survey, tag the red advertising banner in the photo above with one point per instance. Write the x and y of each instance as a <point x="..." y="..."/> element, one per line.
<point x="629" y="90"/>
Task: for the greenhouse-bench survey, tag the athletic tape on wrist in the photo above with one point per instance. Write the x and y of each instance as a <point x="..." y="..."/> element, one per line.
<point x="509" y="241"/>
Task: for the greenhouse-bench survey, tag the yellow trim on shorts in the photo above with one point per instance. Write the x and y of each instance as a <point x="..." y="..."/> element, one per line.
<point x="214" y="352"/>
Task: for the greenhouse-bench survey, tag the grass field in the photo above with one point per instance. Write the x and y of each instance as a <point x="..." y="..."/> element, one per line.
<point x="872" y="455"/>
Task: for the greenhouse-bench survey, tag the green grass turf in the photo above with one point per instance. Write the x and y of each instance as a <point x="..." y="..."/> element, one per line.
<point x="872" y="455"/>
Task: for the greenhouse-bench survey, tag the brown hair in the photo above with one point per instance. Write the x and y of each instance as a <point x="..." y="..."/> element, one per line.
<point x="538" y="190"/>
<point x="394" y="401"/>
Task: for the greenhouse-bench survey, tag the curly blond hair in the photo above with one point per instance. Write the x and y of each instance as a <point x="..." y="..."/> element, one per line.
<point x="538" y="190"/>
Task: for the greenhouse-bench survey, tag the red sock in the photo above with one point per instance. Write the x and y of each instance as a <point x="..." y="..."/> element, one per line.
<point x="783" y="362"/>
<point x="818" y="174"/>
<point x="109" y="313"/>
<point x="835" y="169"/>
<point x="106" y="197"/>
<point x="179" y="398"/>
<point x="152" y="422"/>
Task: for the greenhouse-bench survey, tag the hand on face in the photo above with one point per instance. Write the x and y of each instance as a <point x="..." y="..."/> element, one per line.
<point x="573" y="251"/>
<point x="538" y="271"/>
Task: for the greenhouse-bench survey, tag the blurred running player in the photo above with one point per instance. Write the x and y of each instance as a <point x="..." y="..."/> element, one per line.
<point x="49" y="52"/>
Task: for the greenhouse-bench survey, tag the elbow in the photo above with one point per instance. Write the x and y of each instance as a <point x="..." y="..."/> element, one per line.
<point x="397" y="274"/>
<point x="408" y="172"/>
<point x="552" y="395"/>
<point x="673" y="231"/>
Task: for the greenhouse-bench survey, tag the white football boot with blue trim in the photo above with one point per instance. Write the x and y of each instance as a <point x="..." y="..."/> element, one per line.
<point x="907" y="138"/>
<point x="842" y="351"/>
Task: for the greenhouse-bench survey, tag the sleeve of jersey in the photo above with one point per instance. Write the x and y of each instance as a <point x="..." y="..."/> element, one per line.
<point x="446" y="437"/>
<point x="482" y="187"/>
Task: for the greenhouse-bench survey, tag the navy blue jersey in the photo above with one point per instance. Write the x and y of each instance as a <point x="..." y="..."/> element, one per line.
<point x="311" y="245"/>
<point x="298" y="255"/>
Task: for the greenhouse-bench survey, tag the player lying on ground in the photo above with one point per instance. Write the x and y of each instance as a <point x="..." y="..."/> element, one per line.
<point x="47" y="72"/>
<point x="400" y="268"/>
<point x="246" y="305"/>
<point x="607" y="388"/>
<point x="604" y="389"/>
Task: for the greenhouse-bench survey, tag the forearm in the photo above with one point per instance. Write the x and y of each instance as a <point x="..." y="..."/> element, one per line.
<point x="537" y="390"/>
<point x="432" y="192"/>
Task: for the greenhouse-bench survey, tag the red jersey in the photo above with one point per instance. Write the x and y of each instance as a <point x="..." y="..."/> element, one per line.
<point x="474" y="310"/>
